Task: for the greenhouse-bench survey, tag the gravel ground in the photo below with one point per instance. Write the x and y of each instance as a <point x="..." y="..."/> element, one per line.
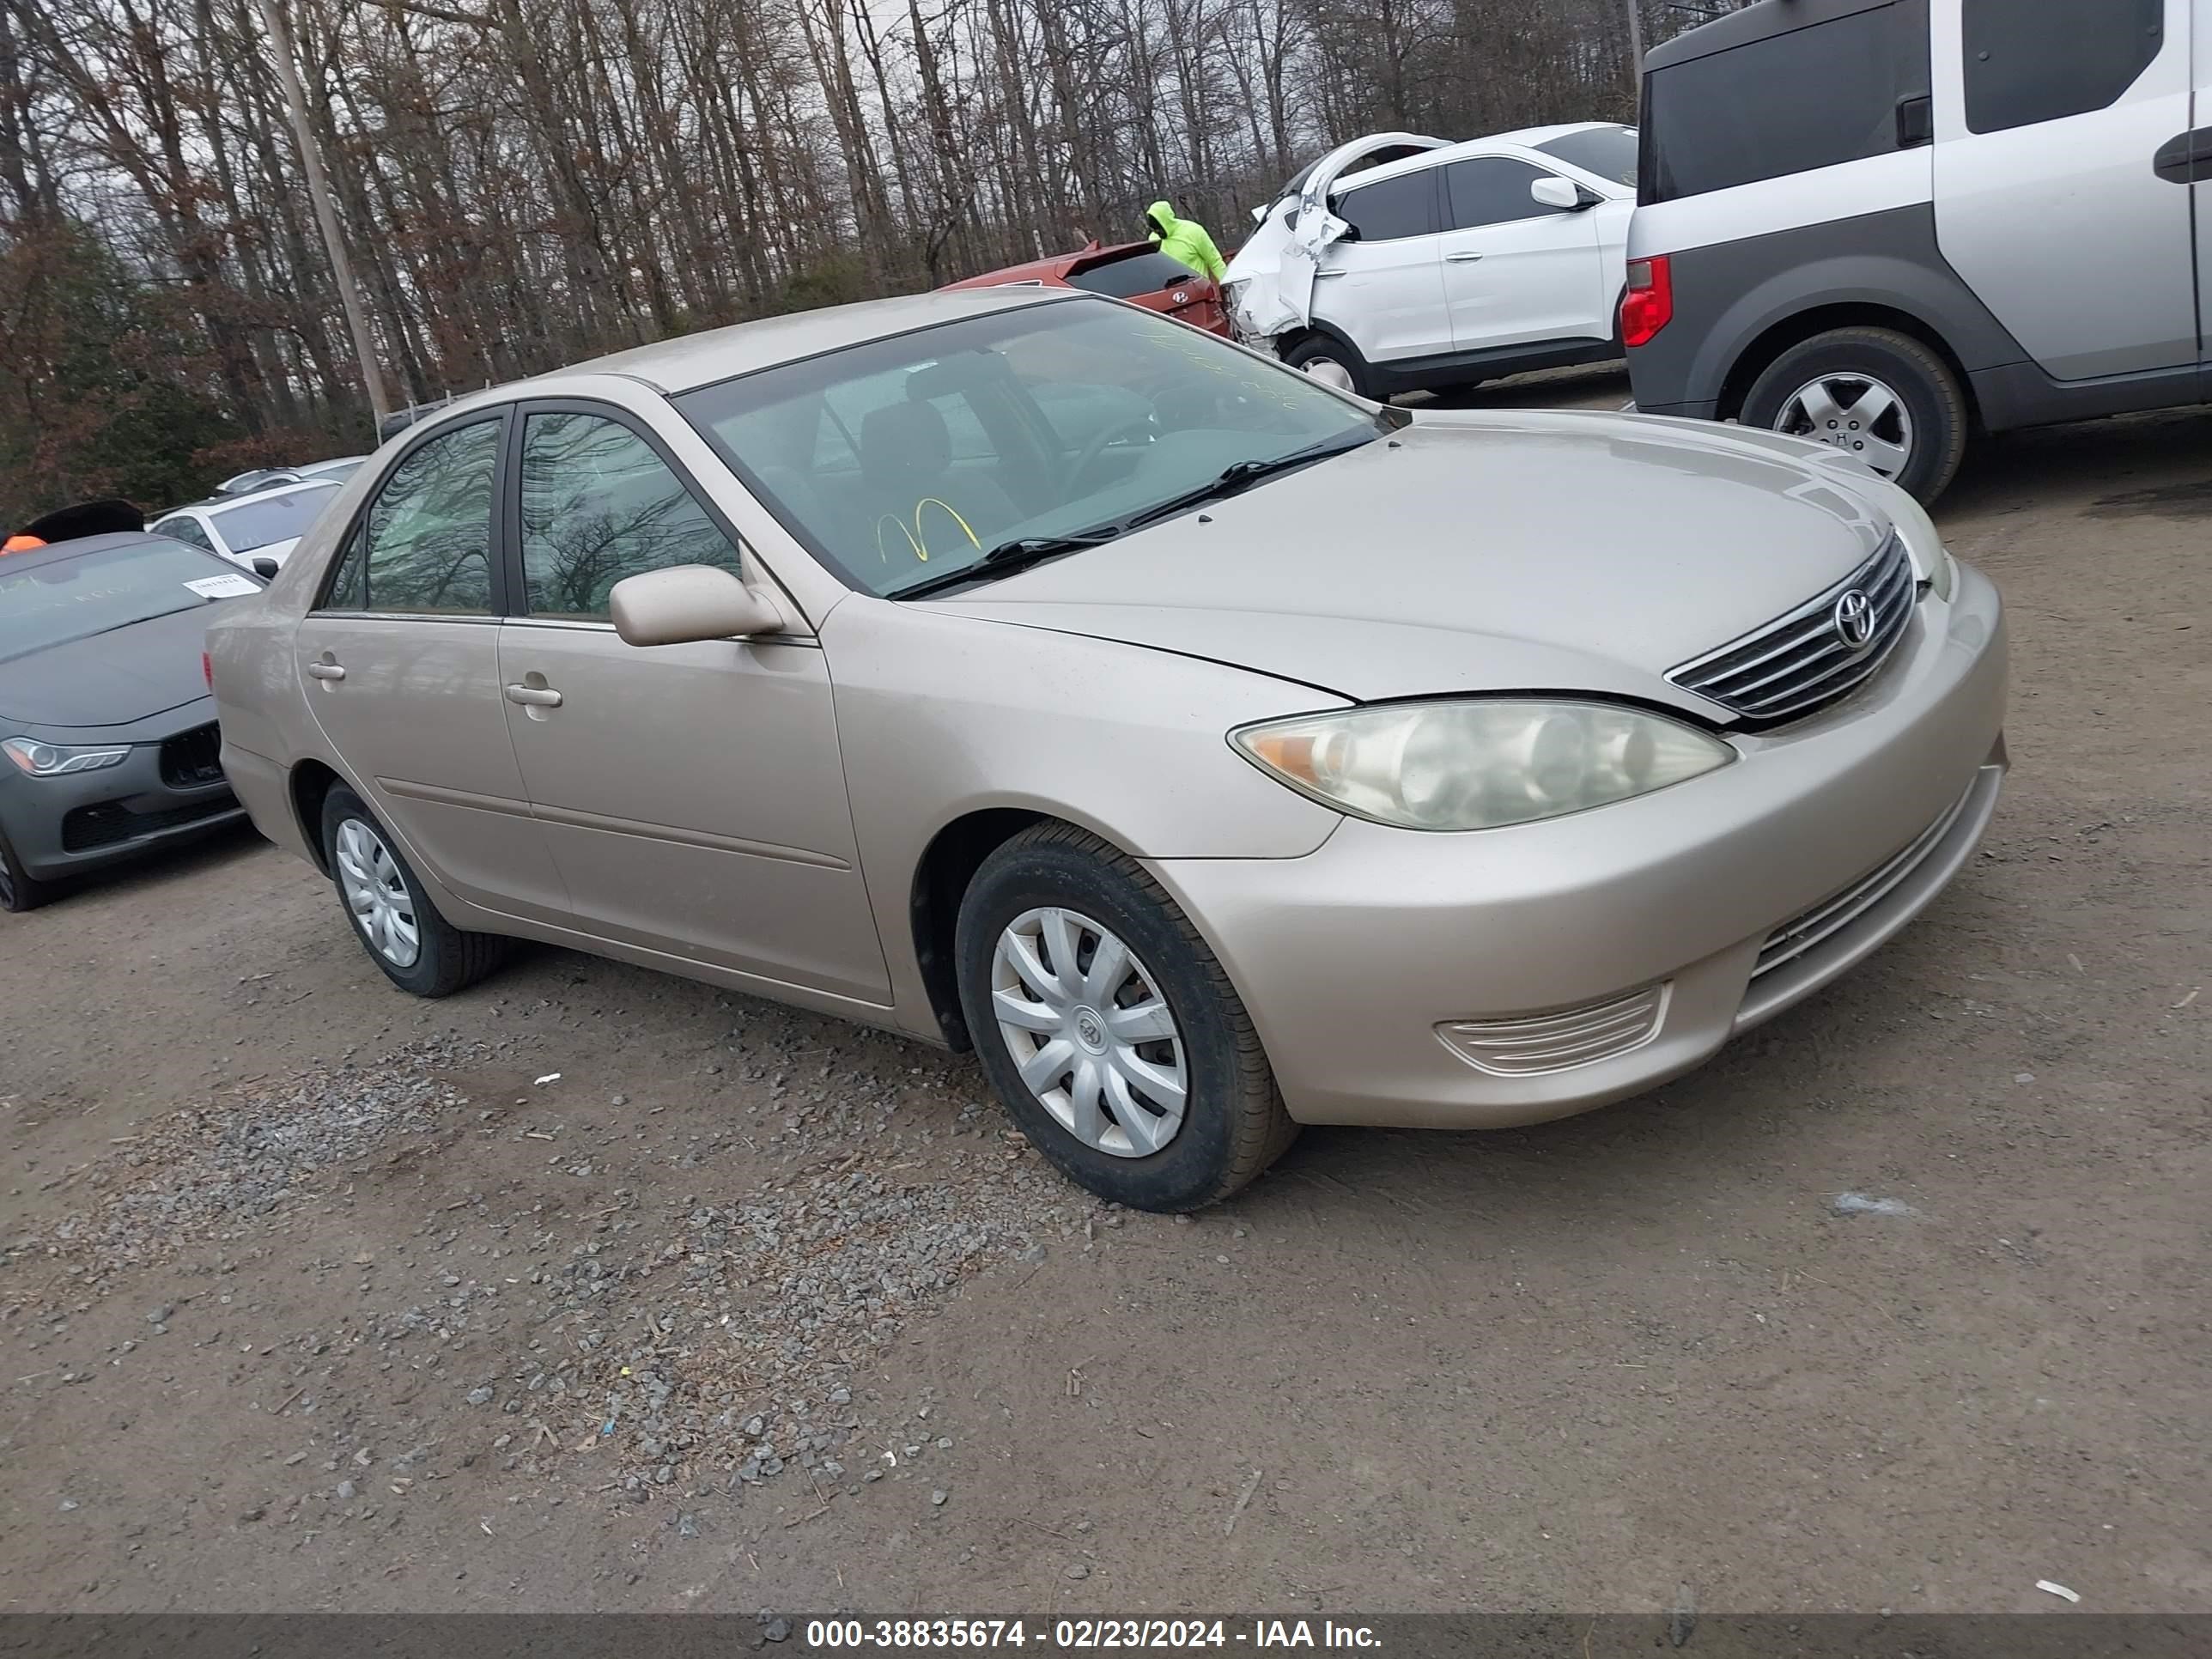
<point x="593" y="1289"/>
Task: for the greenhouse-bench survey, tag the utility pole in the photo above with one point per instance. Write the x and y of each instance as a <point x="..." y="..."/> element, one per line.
<point x="1635" y="53"/>
<point x="319" y="187"/>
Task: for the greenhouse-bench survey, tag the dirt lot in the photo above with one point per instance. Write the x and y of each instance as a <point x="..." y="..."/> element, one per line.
<point x="317" y="1297"/>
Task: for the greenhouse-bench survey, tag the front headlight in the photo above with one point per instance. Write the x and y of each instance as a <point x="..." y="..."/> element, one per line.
<point x="52" y="760"/>
<point x="1479" y="764"/>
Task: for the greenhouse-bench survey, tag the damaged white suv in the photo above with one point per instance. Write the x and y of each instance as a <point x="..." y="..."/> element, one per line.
<point x="1399" y="262"/>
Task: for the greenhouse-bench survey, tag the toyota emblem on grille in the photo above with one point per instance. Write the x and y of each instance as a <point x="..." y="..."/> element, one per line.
<point x="1853" y="618"/>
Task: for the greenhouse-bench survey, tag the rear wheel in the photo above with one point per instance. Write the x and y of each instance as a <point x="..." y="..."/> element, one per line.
<point x="1872" y="393"/>
<point x="1333" y="364"/>
<point x="19" y="889"/>
<point x="1109" y="1030"/>
<point x="418" y="950"/>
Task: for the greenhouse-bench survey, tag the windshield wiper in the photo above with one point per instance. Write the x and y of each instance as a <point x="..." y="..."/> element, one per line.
<point x="1009" y="556"/>
<point x="1241" y="475"/>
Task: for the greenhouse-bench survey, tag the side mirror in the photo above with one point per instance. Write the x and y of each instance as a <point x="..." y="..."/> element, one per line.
<point x="686" y="604"/>
<point x="266" y="568"/>
<point x="1560" y="193"/>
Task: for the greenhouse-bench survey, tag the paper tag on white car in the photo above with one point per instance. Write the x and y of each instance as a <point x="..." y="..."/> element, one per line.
<point x="223" y="587"/>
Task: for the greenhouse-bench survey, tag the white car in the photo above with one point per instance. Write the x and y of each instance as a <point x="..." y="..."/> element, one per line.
<point x="1398" y="263"/>
<point x="252" y="531"/>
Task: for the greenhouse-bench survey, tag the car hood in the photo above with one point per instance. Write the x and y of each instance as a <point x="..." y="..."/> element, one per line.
<point x="1537" y="550"/>
<point x="110" y="679"/>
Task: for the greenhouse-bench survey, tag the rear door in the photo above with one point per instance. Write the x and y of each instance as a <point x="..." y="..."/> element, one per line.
<point x="2052" y="119"/>
<point x="399" y="662"/>
<point x="1515" y="270"/>
<point x="1381" y="286"/>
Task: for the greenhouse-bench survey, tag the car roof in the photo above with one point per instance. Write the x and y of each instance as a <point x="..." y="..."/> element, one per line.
<point x="57" y="551"/>
<point x="1490" y="144"/>
<point x="691" y="360"/>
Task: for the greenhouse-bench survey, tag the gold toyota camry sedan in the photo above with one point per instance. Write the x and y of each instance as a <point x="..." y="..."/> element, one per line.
<point x="1210" y="750"/>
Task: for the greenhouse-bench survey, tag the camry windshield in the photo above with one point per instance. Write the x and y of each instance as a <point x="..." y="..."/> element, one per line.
<point x="268" y="518"/>
<point x="905" y="459"/>
<point x="52" y="601"/>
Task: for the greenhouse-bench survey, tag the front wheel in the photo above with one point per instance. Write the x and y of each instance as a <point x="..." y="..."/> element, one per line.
<point x="19" y="889"/>
<point x="418" y="950"/>
<point x="1871" y="392"/>
<point x="1108" y="1028"/>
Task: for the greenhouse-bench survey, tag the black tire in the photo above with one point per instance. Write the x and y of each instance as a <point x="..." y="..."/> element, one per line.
<point x="447" y="959"/>
<point x="1318" y="348"/>
<point x="1234" y="1124"/>
<point x="1920" y="379"/>
<point x="20" y="890"/>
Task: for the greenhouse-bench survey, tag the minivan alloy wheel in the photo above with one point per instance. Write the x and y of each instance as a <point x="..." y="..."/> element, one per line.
<point x="377" y="894"/>
<point x="1854" y="413"/>
<point x="1095" y="1041"/>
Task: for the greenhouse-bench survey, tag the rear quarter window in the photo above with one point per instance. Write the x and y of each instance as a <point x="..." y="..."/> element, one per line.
<point x="1813" y="97"/>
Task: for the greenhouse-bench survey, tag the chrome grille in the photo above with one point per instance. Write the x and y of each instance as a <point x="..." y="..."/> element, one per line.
<point x="1557" y="1041"/>
<point x="1800" y="661"/>
<point x="1832" y="914"/>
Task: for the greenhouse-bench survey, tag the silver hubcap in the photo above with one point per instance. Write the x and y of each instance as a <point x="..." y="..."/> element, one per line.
<point x="1856" y="413"/>
<point x="1329" y="372"/>
<point x="1093" y="1037"/>
<point x="376" y="893"/>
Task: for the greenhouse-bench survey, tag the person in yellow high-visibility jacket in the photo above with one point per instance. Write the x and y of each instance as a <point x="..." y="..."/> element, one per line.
<point x="1185" y="240"/>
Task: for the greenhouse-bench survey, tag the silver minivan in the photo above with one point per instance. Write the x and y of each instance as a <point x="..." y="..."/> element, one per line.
<point x="1888" y="224"/>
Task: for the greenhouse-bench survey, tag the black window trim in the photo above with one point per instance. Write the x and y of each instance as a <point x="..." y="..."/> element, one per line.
<point x="1434" y="169"/>
<point x="510" y="490"/>
<point x="427" y="433"/>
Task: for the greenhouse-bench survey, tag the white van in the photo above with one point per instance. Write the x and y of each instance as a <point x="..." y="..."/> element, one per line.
<point x="1886" y="224"/>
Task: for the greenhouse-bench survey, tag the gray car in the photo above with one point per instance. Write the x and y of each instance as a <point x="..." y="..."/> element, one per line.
<point x="1211" y="750"/>
<point x="108" y="748"/>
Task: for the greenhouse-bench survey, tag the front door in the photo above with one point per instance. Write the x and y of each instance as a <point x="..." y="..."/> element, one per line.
<point x="400" y="664"/>
<point x="1515" y="270"/>
<point x="2051" y="117"/>
<point x="693" y="795"/>
<point x="1381" y="287"/>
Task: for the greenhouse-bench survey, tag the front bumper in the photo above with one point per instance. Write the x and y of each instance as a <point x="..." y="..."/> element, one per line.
<point x="1459" y="980"/>
<point x="86" y="821"/>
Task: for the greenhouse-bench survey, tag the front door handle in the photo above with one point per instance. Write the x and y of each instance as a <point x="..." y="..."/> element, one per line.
<point x="1461" y="258"/>
<point x="1324" y="276"/>
<point x="324" y="671"/>
<point x="534" y="696"/>
<point x="2186" y="158"/>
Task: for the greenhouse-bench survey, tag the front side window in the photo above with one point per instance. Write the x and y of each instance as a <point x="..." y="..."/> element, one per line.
<point x="600" y="505"/>
<point x="897" y="460"/>
<point x="1392" y="207"/>
<point x="1814" y="97"/>
<point x="424" y="545"/>
<point x="1608" y="153"/>
<point x="2038" y="60"/>
<point x="1492" y="190"/>
<point x="264" y="520"/>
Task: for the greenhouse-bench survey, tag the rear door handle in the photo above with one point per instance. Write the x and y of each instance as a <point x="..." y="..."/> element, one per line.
<point x="2186" y="158"/>
<point x="1461" y="258"/>
<point x="534" y="696"/>
<point x="1324" y="276"/>
<point x="324" y="671"/>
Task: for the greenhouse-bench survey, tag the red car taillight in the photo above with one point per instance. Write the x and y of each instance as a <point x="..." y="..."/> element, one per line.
<point x="207" y="670"/>
<point x="1647" y="304"/>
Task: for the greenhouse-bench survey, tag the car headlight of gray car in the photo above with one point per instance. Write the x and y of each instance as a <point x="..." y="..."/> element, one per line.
<point x="1478" y="763"/>
<point x="53" y="760"/>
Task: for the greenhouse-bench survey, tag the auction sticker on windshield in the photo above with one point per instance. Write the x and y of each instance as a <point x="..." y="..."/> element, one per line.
<point x="223" y="587"/>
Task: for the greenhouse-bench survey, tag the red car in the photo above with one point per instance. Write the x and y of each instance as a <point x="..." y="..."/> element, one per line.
<point x="1135" y="271"/>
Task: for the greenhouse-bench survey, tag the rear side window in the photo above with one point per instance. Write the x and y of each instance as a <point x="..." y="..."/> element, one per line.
<point x="2038" y="60"/>
<point x="424" y="546"/>
<point x="1140" y="273"/>
<point x="1392" y="207"/>
<point x="1491" y="189"/>
<point x="599" y="505"/>
<point x="1788" y="103"/>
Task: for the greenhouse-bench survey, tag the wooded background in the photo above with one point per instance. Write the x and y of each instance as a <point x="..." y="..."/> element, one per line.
<point x="524" y="183"/>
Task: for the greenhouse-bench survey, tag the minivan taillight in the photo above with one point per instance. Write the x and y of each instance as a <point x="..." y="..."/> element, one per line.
<point x="1647" y="304"/>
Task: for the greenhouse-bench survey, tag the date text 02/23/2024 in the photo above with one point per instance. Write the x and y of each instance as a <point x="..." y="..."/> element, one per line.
<point x="1085" y="1634"/>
